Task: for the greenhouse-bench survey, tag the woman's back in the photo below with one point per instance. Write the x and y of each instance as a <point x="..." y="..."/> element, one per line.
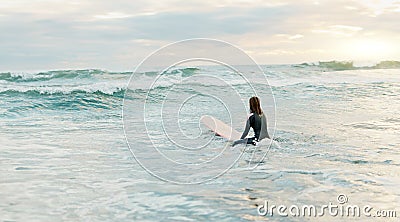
<point x="264" y="129"/>
<point x="259" y="125"/>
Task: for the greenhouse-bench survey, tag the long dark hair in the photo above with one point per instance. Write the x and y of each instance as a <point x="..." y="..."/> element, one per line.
<point x="255" y="106"/>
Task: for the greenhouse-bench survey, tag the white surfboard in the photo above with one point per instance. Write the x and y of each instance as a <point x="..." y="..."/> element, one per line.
<point x="220" y="128"/>
<point x="224" y="130"/>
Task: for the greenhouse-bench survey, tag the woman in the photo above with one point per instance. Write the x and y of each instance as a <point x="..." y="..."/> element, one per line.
<point x="257" y="121"/>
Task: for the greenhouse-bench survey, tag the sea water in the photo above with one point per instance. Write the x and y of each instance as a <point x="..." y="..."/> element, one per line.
<point x="64" y="155"/>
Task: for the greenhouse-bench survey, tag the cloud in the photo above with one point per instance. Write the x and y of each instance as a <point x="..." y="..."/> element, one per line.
<point x="113" y="15"/>
<point x="118" y="34"/>
<point x="290" y="37"/>
<point x="340" y="30"/>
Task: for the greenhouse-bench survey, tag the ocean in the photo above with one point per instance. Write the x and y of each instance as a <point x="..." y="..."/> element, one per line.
<point x="65" y="157"/>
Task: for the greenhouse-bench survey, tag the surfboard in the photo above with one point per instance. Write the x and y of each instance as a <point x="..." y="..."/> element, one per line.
<point x="224" y="130"/>
<point x="220" y="128"/>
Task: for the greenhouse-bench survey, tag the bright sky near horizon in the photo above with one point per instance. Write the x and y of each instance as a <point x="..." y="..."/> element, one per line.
<point x="119" y="34"/>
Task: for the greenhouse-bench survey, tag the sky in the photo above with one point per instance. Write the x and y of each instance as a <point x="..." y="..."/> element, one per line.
<point x="119" y="34"/>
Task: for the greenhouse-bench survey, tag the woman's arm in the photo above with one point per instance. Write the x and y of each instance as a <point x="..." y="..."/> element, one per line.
<point x="246" y="129"/>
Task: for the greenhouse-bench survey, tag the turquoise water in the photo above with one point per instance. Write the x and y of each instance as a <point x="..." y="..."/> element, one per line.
<point x="64" y="155"/>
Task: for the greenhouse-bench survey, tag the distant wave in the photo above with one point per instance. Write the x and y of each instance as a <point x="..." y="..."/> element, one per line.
<point x="185" y="72"/>
<point x="39" y="92"/>
<point x="85" y="74"/>
<point x="77" y="81"/>
<point x="96" y="88"/>
<point x="97" y="81"/>
<point x="49" y="75"/>
<point x="349" y="65"/>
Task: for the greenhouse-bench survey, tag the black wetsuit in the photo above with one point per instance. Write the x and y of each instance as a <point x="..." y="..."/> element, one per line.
<point x="255" y="123"/>
<point x="259" y="125"/>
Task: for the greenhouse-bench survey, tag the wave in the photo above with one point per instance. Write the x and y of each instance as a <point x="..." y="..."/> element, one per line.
<point x="86" y="74"/>
<point x="114" y="83"/>
<point x="349" y="65"/>
<point x="387" y="65"/>
<point x="184" y="72"/>
<point x="77" y="81"/>
<point x="98" y="88"/>
<point x="49" y="75"/>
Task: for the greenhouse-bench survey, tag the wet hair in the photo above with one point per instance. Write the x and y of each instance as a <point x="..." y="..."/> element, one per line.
<point x="255" y="106"/>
